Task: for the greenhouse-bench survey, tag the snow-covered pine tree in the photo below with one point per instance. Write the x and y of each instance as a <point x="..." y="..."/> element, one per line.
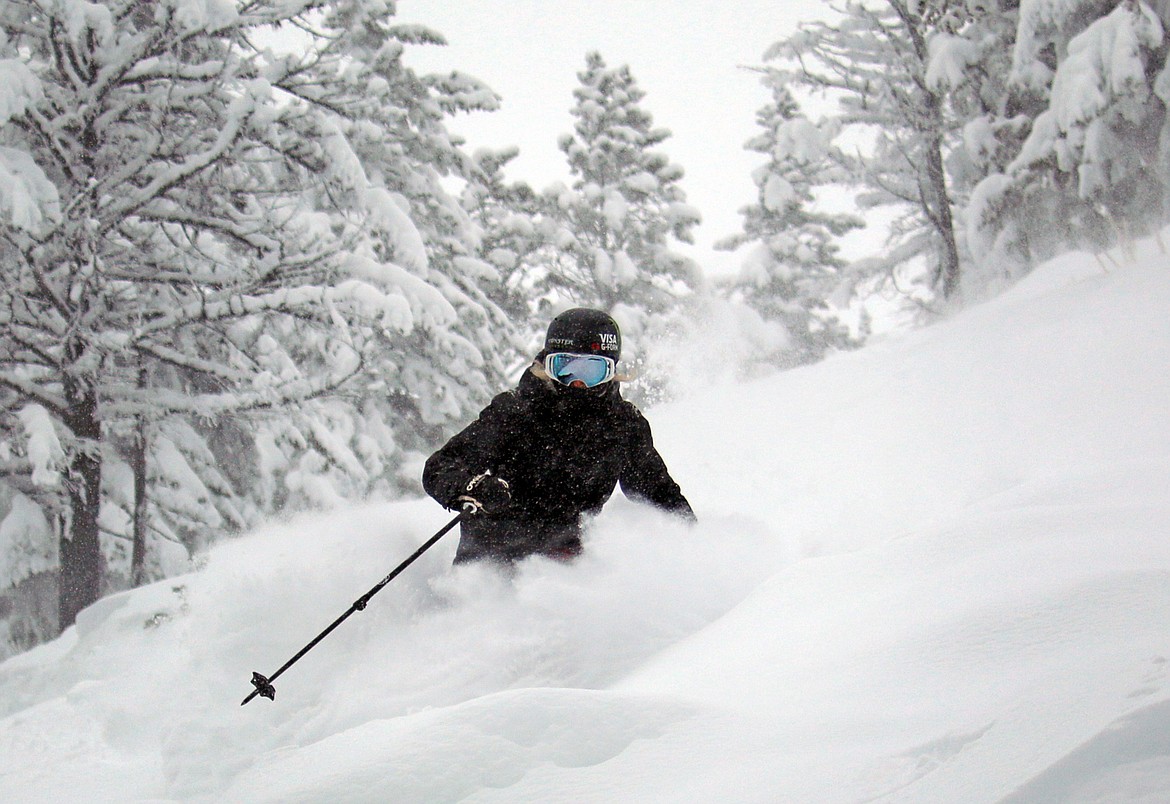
<point x="182" y="203"/>
<point x="620" y="220"/>
<point x="874" y="61"/>
<point x="1095" y="166"/>
<point x="510" y="226"/>
<point x="456" y="341"/>
<point x="793" y="266"/>
<point x="970" y="62"/>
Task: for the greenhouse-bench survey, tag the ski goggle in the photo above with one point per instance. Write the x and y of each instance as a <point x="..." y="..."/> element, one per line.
<point x="579" y="371"/>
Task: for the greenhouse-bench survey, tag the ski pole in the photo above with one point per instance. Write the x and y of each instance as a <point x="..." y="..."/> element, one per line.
<point x="264" y="686"/>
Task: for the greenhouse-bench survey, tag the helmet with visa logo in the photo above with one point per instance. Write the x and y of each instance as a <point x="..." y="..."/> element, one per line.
<point x="582" y="330"/>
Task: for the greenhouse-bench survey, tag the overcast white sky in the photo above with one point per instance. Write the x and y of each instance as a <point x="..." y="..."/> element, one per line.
<point x="685" y="54"/>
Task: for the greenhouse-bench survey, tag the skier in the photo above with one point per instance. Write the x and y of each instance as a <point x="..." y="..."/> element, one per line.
<point x="541" y="456"/>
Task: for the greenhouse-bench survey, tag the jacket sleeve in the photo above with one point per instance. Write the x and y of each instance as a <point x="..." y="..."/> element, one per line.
<point x="645" y="476"/>
<point x="473" y="450"/>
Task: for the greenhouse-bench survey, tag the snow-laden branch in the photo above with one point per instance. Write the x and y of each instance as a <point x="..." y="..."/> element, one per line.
<point x="28" y="199"/>
<point x="32" y="391"/>
<point x="239" y="113"/>
<point x="39" y="353"/>
<point x="161" y="403"/>
<point x="180" y="359"/>
<point x="312" y="301"/>
<point x="19" y="89"/>
<point x="46" y="129"/>
<point x="54" y="313"/>
<point x="158" y="69"/>
<point x="249" y="237"/>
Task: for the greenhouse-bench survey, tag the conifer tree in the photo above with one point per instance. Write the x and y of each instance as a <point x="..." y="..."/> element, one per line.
<point x="794" y="266"/>
<point x="970" y="63"/>
<point x="1095" y="164"/>
<point x="511" y="228"/>
<point x="624" y="211"/>
<point x="457" y="341"/>
<point x="875" y="62"/>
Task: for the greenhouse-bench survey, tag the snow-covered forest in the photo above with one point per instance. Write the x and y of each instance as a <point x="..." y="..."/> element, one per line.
<point x="248" y="270"/>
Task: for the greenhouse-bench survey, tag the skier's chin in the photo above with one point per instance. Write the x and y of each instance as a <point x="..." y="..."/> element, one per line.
<point x="583" y="394"/>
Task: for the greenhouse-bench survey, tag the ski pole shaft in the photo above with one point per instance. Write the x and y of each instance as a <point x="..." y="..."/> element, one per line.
<point x="263" y="684"/>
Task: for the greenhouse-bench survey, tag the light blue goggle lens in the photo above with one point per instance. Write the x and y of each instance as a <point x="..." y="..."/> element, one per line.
<point x="589" y="370"/>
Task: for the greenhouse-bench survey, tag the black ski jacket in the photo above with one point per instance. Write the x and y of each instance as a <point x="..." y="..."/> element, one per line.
<point x="562" y="450"/>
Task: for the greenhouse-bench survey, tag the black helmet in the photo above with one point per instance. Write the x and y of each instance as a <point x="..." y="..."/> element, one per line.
<point x="584" y="331"/>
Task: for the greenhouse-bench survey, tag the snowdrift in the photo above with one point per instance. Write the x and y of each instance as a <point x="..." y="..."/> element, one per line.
<point x="933" y="570"/>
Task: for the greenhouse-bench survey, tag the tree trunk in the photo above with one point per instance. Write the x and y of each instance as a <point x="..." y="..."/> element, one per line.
<point x="81" y="552"/>
<point x="936" y="201"/>
<point x="943" y="220"/>
<point x="138" y="466"/>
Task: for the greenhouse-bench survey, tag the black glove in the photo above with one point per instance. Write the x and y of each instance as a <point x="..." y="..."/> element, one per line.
<point x="486" y="493"/>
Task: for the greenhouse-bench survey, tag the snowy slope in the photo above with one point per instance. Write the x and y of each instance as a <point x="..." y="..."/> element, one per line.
<point x="933" y="570"/>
